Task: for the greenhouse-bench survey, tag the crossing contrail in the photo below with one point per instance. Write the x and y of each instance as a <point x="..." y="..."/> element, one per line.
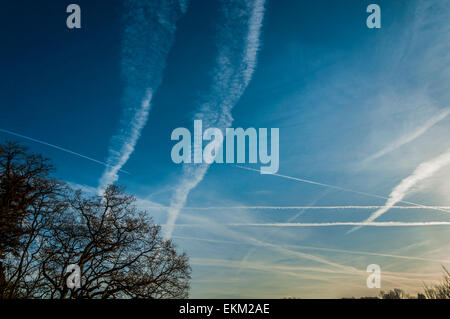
<point x="298" y="207"/>
<point x="59" y="148"/>
<point x="423" y="171"/>
<point x="435" y="75"/>
<point x="346" y="189"/>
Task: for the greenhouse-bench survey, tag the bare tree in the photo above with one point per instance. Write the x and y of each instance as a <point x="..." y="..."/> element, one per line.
<point x="441" y="290"/>
<point x="119" y="250"/>
<point x="27" y="194"/>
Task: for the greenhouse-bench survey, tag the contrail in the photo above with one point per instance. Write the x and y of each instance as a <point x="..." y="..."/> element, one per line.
<point x="218" y="228"/>
<point x="59" y="148"/>
<point x="149" y="28"/>
<point x="423" y="171"/>
<point x="407" y="139"/>
<point x="345" y="189"/>
<point x="298" y="207"/>
<point x="343" y="251"/>
<point x="373" y="224"/>
<point x="232" y="74"/>
<point x="118" y="158"/>
<point x="432" y="65"/>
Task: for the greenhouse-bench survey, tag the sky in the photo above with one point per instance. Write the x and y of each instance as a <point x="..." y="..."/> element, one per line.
<point x="363" y="118"/>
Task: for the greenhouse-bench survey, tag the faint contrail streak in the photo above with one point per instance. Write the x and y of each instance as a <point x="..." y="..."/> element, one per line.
<point x="235" y="65"/>
<point x="343" y="251"/>
<point x="346" y="189"/>
<point x="404" y="140"/>
<point x="423" y="171"/>
<point x="58" y="148"/>
<point x="219" y="229"/>
<point x="298" y="207"/>
<point x="149" y="29"/>
<point x="373" y="224"/>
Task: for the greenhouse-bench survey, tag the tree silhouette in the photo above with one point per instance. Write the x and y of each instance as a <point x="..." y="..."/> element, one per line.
<point x="48" y="226"/>
<point x="120" y="252"/>
<point x="26" y="192"/>
<point x="441" y="290"/>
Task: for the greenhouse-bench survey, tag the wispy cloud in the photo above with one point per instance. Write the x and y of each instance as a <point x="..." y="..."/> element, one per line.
<point x="58" y="148"/>
<point x="315" y="281"/>
<point x="234" y="235"/>
<point x="342" y="251"/>
<point x="336" y="267"/>
<point x="228" y="231"/>
<point x="296" y="271"/>
<point x="422" y="172"/>
<point x="233" y="72"/>
<point x="237" y="237"/>
<point x="411" y="137"/>
<point x="147" y="39"/>
<point x="332" y="276"/>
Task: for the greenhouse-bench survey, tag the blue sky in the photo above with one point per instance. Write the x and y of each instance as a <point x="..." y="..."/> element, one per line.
<point x="361" y="109"/>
